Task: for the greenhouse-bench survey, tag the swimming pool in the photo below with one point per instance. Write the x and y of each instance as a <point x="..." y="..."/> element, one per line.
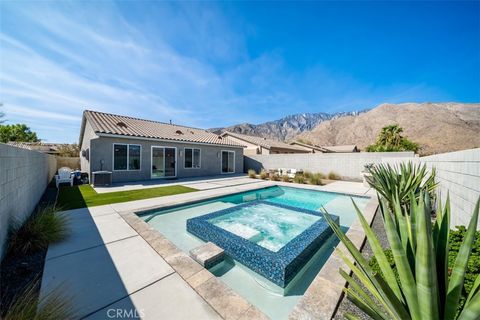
<point x="269" y="297"/>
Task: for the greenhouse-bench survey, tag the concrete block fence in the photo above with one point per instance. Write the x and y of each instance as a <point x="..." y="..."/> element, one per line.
<point x="24" y="175"/>
<point x="348" y="165"/>
<point x="458" y="173"/>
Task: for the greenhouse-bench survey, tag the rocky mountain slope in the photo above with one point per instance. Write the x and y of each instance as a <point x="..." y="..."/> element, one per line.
<point x="437" y="127"/>
<point x="287" y="127"/>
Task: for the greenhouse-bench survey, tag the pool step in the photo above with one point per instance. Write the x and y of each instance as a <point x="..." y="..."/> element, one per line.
<point x="208" y="254"/>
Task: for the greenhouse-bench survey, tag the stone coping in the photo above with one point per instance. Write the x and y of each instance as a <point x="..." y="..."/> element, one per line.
<point x="320" y="300"/>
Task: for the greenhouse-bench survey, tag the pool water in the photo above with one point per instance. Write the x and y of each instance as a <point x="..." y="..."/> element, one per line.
<point x="268" y="226"/>
<point x="274" y="301"/>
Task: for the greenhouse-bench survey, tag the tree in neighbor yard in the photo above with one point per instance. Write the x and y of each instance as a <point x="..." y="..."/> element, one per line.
<point x="391" y="139"/>
<point x="17" y="132"/>
<point x="69" y="150"/>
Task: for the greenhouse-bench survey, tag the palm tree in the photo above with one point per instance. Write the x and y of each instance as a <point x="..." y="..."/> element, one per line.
<point x="390" y="136"/>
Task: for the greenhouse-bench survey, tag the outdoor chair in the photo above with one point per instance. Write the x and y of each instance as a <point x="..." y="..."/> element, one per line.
<point x="64" y="175"/>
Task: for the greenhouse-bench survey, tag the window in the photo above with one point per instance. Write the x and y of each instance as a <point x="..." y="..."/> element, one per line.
<point x="192" y="158"/>
<point x="126" y="156"/>
<point x="228" y="161"/>
<point x="134" y="157"/>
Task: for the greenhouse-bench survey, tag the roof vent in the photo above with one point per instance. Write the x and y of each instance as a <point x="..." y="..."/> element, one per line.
<point x="220" y="137"/>
<point x="178" y="132"/>
<point x="121" y="124"/>
<point x="192" y="132"/>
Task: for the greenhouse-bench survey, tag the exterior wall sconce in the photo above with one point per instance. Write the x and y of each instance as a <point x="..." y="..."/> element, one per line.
<point x="180" y="153"/>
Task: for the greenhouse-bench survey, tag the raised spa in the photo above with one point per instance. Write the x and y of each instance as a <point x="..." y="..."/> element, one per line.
<point x="274" y="240"/>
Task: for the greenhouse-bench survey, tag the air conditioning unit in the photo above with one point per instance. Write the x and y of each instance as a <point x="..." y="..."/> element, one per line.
<point x="101" y="178"/>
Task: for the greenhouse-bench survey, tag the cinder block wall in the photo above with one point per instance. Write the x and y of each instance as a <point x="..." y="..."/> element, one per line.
<point x="24" y="175"/>
<point x="459" y="174"/>
<point x="348" y="165"/>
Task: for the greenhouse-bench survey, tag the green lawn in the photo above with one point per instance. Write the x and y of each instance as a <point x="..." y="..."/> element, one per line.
<point x="85" y="196"/>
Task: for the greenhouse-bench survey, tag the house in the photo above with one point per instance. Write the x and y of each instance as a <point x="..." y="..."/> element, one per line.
<point x="326" y="149"/>
<point x="342" y="148"/>
<point x="309" y="147"/>
<point x="48" y="148"/>
<point x="136" y="149"/>
<point x="259" y="145"/>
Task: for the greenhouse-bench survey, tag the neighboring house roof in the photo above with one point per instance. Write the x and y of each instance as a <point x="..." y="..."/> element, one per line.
<point x="50" y="148"/>
<point x="263" y="142"/>
<point x="105" y="123"/>
<point x="309" y="146"/>
<point x="345" y="148"/>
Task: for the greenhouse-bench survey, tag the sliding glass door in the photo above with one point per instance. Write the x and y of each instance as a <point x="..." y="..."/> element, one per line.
<point x="164" y="161"/>
<point x="228" y="162"/>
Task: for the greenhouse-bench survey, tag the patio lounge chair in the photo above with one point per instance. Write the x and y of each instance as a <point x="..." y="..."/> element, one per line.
<point x="64" y="175"/>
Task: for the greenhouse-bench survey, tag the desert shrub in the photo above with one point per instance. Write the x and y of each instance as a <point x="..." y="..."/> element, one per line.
<point x="315" y="179"/>
<point x="263" y="174"/>
<point x="299" y="178"/>
<point x="307" y="174"/>
<point x="333" y="176"/>
<point x="285" y="178"/>
<point x="252" y="174"/>
<point x="54" y="305"/>
<point x="274" y="177"/>
<point x="42" y="228"/>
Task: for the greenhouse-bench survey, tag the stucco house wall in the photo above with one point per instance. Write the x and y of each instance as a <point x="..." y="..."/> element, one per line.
<point x="101" y="148"/>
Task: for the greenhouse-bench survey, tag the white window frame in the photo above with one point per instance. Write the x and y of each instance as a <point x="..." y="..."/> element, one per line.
<point x="128" y="156"/>
<point x="234" y="157"/>
<point x="185" y="157"/>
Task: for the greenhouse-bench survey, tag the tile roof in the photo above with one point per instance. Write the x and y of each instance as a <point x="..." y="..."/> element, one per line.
<point x="127" y="126"/>
<point x="342" y="148"/>
<point x="263" y="142"/>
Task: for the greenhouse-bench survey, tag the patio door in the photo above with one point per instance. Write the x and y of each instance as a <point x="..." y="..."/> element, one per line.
<point x="164" y="162"/>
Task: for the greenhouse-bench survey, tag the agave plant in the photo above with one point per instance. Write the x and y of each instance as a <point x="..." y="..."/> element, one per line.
<point x="399" y="181"/>
<point x="425" y="288"/>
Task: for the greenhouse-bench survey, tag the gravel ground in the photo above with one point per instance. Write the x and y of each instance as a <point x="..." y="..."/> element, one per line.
<point x="346" y="305"/>
<point x="18" y="271"/>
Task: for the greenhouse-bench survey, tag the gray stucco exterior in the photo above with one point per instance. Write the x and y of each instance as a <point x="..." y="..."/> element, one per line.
<point x="99" y="149"/>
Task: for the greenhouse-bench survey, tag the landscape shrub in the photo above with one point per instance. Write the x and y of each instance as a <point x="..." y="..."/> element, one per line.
<point x="42" y="228"/>
<point x="252" y="174"/>
<point x="429" y="283"/>
<point x="263" y="174"/>
<point x="56" y="304"/>
<point x="299" y="178"/>
<point x="333" y="176"/>
<point x="455" y="241"/>
<point x="315" y="179"/>
<point x="274" y="177"/>
<point x="307" y="174"/>
<point x="285" y="178"/>
<point x="397" y="182"/>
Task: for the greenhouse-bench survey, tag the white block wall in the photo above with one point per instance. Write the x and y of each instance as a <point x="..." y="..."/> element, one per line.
<point x="459" y="174"/>
<point x="347" y="165"/>
<point x="24" y="175"/>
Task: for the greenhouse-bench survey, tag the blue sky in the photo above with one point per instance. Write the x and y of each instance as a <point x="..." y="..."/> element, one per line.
<point x="212" y="64"/>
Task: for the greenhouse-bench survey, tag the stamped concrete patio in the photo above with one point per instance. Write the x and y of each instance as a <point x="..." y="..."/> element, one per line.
<point x="115" y="264"/>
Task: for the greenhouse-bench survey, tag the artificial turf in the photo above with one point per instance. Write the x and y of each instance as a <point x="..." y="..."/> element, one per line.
<point x="85" y="196"/>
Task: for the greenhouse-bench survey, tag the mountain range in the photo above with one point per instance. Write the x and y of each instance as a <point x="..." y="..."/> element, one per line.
<point x="286" y="128"/>
<point x="436" y="127"/>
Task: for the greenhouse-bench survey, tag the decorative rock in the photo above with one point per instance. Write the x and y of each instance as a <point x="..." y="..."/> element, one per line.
<point x="207" y="254"/>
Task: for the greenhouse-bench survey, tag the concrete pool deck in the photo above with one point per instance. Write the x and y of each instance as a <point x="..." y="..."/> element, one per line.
<point x="115" y="262"/>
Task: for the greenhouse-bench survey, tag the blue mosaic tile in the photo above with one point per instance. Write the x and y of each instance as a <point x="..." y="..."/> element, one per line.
<point x="279" y="267"/>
